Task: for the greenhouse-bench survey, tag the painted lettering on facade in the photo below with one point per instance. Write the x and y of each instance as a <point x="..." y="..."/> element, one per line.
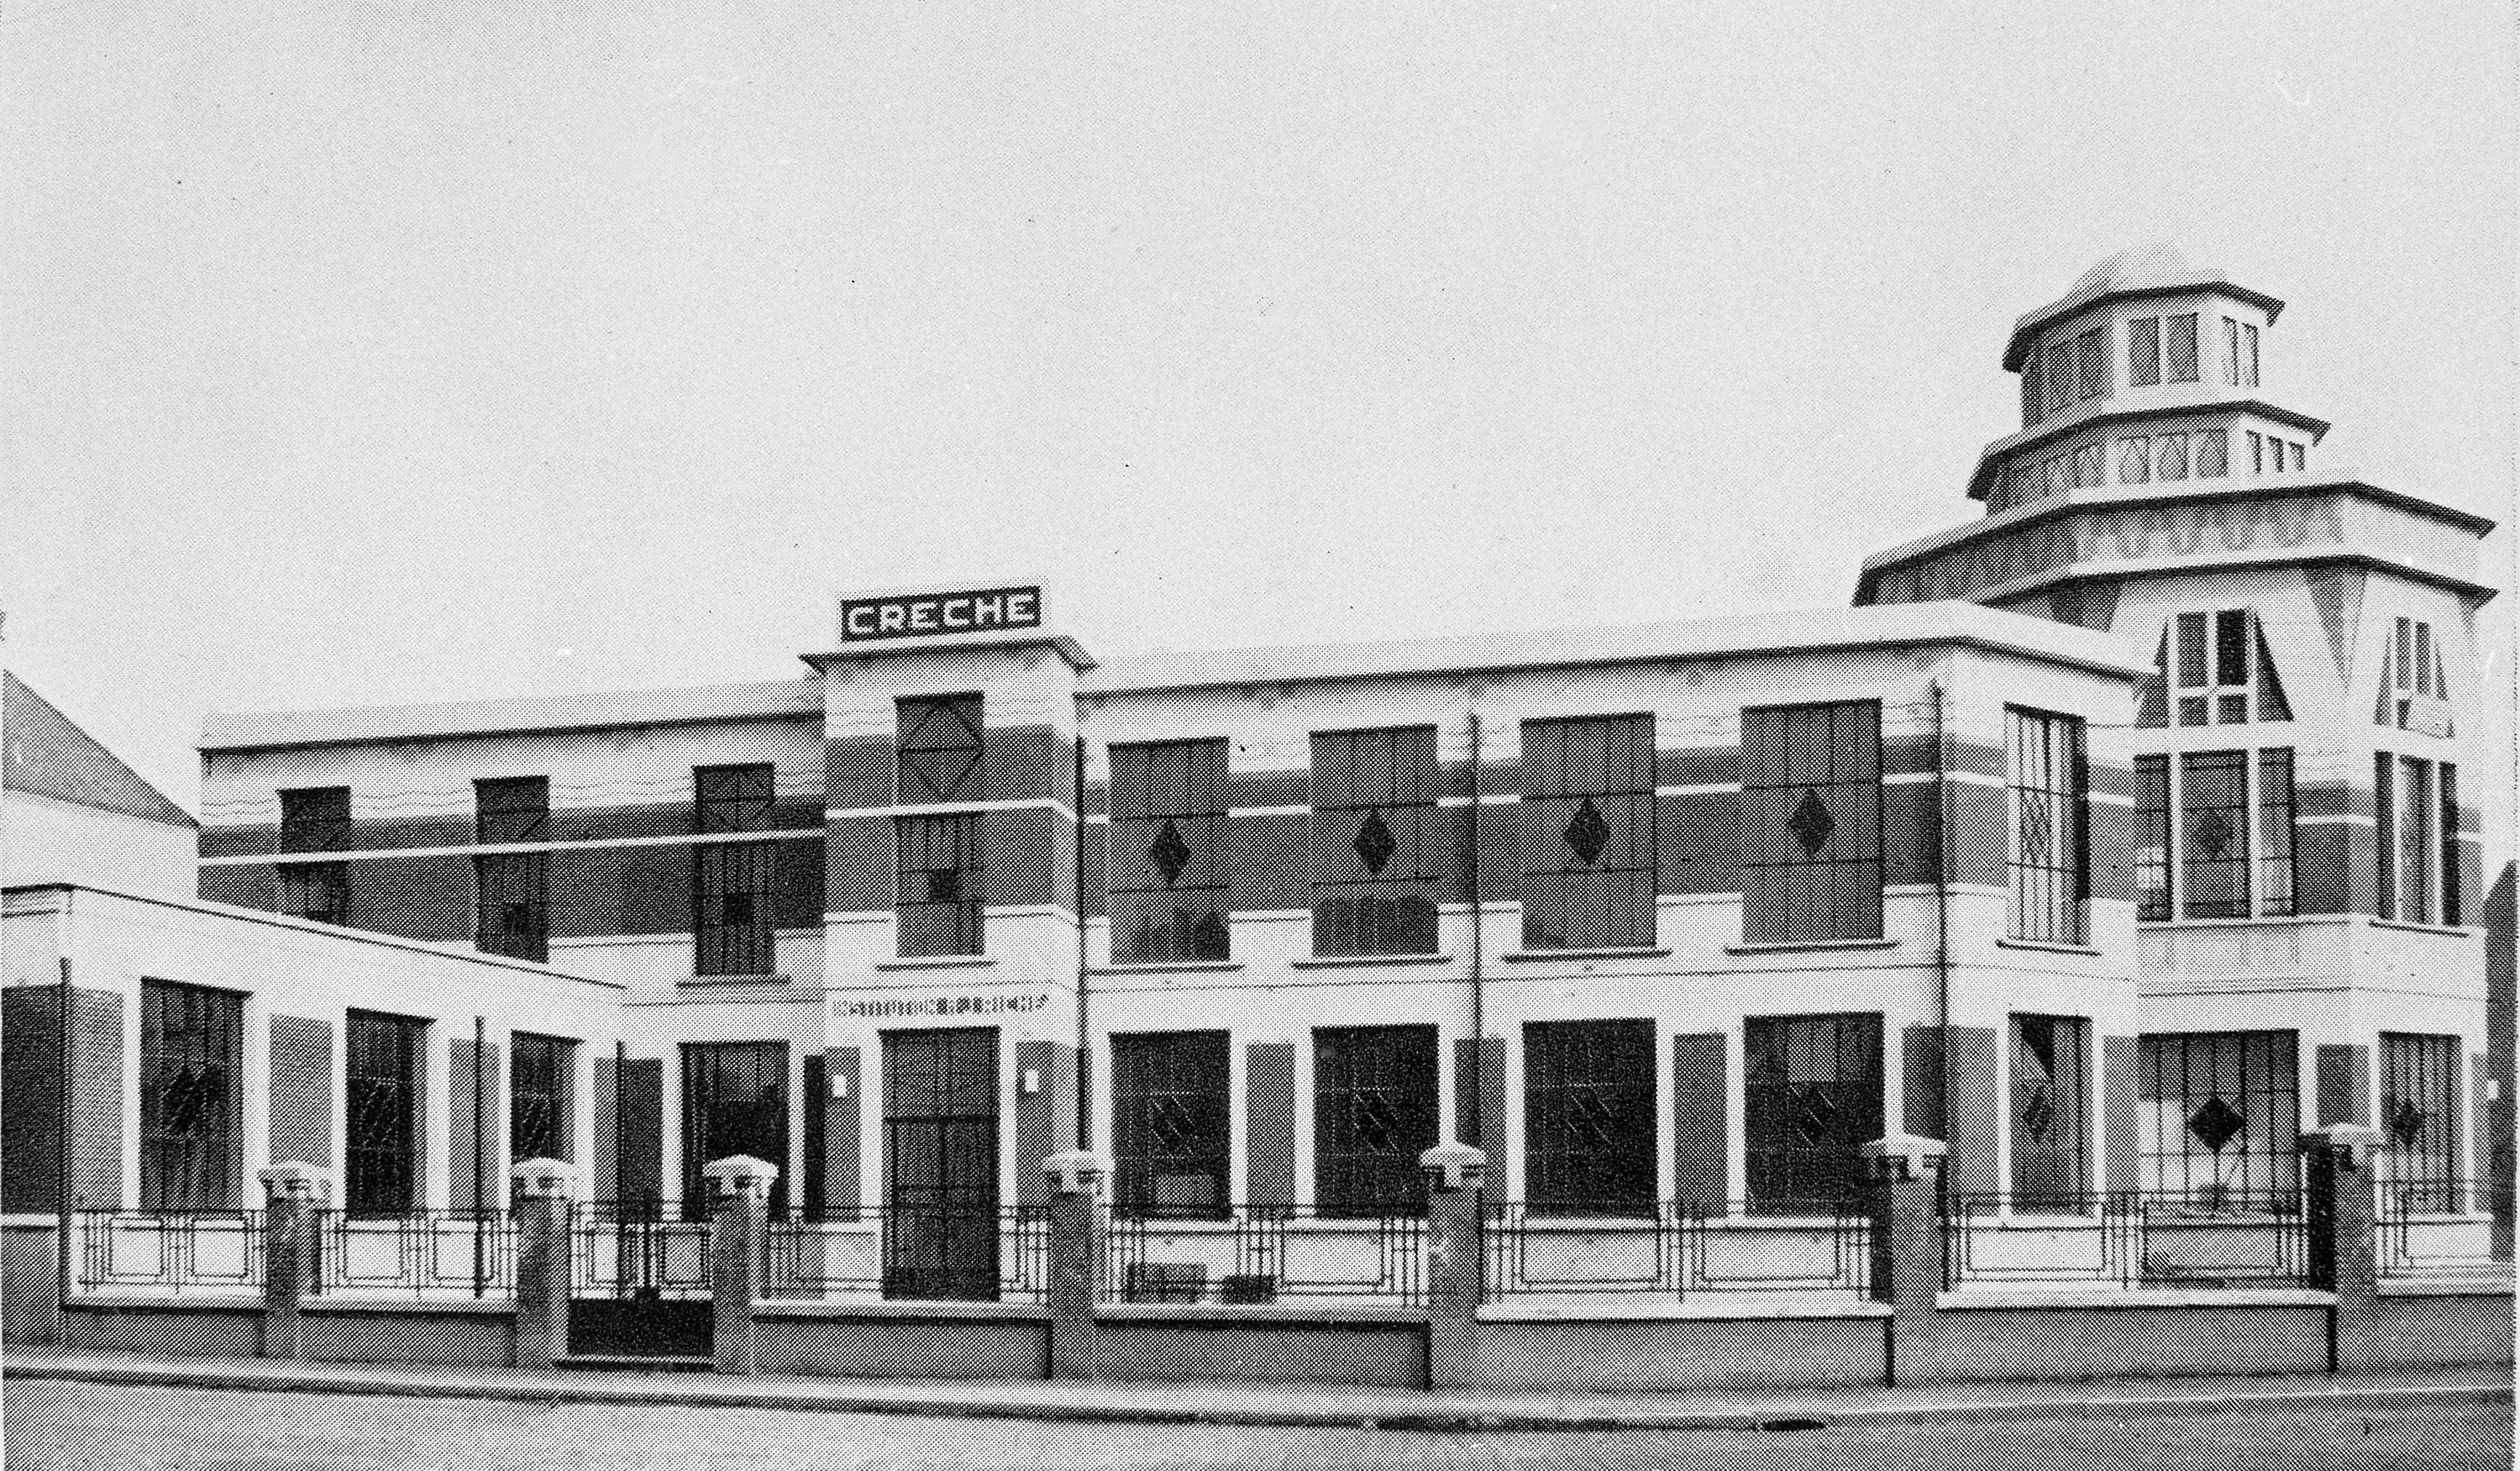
<point x="925" y="615"/>
<point x="940" y="1005"/>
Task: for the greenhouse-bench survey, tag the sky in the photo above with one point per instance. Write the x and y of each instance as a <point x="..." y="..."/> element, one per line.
<point x="357" y="354"/>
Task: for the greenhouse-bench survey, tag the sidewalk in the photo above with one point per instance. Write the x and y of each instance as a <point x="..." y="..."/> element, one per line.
<point x="1217" y="1403"/>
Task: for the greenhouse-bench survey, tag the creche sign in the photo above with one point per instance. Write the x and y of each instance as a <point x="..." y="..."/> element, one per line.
<point x="928" y="615"/>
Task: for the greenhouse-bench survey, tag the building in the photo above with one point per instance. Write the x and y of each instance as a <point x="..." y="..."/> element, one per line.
<point x="2116" y="839"/>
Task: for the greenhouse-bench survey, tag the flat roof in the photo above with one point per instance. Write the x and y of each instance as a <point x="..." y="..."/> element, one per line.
<point x="1744" y="636"/>
<point x="269" y="729"/>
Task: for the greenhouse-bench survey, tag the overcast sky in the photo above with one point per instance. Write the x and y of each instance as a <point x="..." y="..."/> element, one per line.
<point x="357" y="354"/>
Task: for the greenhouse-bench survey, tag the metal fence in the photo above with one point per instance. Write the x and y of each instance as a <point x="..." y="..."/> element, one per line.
<point x="2206" y="1238"/>
<point x="2427" y="1230"/>
<point x="167" y="1251"/>
<point x="430" y="1254"/>
<point x="1255" y="1254"/>
<point x="637" y="1250"/>
<point x="1536" y="1249"/>
<point x="876" y="1251"/>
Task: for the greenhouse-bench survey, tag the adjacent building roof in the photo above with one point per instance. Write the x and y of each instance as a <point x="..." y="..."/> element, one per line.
<point x="49" y="756"/>
<point x="779" y="701"/>
<point x="2154" y="270"/>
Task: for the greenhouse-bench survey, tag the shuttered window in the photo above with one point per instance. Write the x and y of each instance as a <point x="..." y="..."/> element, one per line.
<point x="1376" y="847"/>
<point x="1586" y="828"/>
<point x="1167" y="856"/>
<point x="511" y="810"/>
<point x="1811" y="794"/>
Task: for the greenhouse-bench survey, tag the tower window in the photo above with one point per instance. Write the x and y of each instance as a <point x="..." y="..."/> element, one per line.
<point x="2144" y="352"/>
<point x="2182" y="347"/>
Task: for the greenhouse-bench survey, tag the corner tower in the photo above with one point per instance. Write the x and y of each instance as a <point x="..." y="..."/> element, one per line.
<point x="2306" y="847"/>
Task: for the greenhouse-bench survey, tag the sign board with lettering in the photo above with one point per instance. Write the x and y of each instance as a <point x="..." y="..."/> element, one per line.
<point x="920" y="1007"/>
<point x="941" y="614"/>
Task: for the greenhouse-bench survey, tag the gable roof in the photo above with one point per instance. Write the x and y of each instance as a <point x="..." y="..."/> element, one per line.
<point x="44" y="754"/>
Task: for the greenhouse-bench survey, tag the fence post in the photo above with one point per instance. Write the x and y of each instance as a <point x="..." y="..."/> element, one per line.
<point x="288" y="1222"/>
<point x="1907" y="1250"/>
<point x="2341" y="1226"/>
<point x="543" y="1191"/>
<point x="1076" y="1259"/>
<point x="1455" y="1263"/>
<point x="736" y="1239"/>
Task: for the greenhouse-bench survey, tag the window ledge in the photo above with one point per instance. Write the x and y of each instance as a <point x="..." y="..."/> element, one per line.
<point x="1788" y="947"/>
<point x="2053" y="946"/>
<point x="1163" y="967"/>
<point x="2411" y="927"/>
<point x="733" y="980"/>
<point x="1605" y="953"/>
<point x="1327" y="963"/>
<point x="933" y="963"/>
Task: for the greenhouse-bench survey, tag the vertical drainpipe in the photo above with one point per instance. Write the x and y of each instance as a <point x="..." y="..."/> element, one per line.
<point x="70" y="1138"/>
<point x="1943" y="923"/>
<point x="1475" y="1110"/>
<point x="1084" y="1036"/>
<point x="480" y="1153"/>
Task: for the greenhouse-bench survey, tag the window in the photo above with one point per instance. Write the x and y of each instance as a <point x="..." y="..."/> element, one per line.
<point x="511" y="810"/>
<point x="2412" y="811"/>
<point x="2224" y="662"/>
<point x="2231" y="362"/>
<point x="313" y="818"/>
<point x="2144" y="352"/>
<point x="2049" y="859"/>
<point x="384" y="1099"/>
<point x="1375" y="842"/>
<point x="2031" y="404"/>
<point x="539" y="1071"/>
<point x="2213" y="453"/>
<point x="1814" y="1086"/>
<point x="320" y="892"/>
<point x="2277" y="879"/>
<point x="1587" y="832"/>
<point x="2221" y="1113"/>
<point x="2152" y="837"/>
<point x="2051" y="1088"/>
<point x="2415" y="669"/>
<point x="734" y="1102"/>
<point x="938" y="897"/>
<point x="1811" y="793"/>
<point x="2300" y="455"/>
<point x="2135" y="462"/>
<point x="1172" y="1123"/>
<point x="2214" y="834"/>
<point x="938" y="753"/>
<point x="1168" y="866"/>
<point x="2419" y="1119"/>
<point x="2091" y="365"/>
<point x="2249" y="351"/>
<point x="732" y="883"/>
<point x="1589" y="1114"/>
<point x="2182" y="348"/>
<point x="511" y="909"/>
<point x="2061" y="377"/>
<point x="1373" y="1113"/>
<point x="2452" y="900"/>
<point x="2169" y="457"/>
<point x="191" y="1063"/>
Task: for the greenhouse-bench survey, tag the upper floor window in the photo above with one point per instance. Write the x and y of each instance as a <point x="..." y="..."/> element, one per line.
<point x="313" y="818"/>
<point x="1587" y="832"/>
<point x="2091" y="365"/>
<point x="2418" y="808"/>
<point x="2272" y="456"/>
<point x="1167" y="852"/>
<point x="2201" y="829"/>
<point x="2413" y="676"/>
<point x="1811" y="805"/>
<point x="733" y="798"/>
<point x="938" y="749"/>
<point x="2227" y="676"/>
<point x="938" y="897"/>
<point x="1375" y="842"/>
<point x="2180" y="348"/>
<point x="2240" y="353"/>
<point x="2144" y="352"/>
<point x="320" y="892"/>
<point x="511" y="810"/>
<point x="2049" y="857"/>
<point x="513" y="908"/>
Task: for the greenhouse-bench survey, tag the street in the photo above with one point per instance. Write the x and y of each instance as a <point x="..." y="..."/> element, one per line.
<point x="56" y="1424"/>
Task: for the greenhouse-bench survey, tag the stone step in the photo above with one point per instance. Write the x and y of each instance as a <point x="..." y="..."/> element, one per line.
<point x="671" y="1364"/>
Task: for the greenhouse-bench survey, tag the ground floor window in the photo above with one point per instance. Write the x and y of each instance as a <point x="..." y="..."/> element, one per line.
<point x="1172" y="1135"/>
<point x="1373" y="1113"/>
<point x="2050" y="1082"/>
<point x="2420" y="1118"/>
<point x="383" y="1055"/>
<point x="1588" y="1116"/>
<point x="1814" y="1099"/>
<point x="538" y="1112"/>
<point x="734" y="1102"/>
<point x="2222" y="1113"/>
<point x="191" y="1064"/>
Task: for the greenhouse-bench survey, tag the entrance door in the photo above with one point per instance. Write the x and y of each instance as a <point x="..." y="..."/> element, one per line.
<point x="940" y="1133"/>
<point x="734" y="1102"/>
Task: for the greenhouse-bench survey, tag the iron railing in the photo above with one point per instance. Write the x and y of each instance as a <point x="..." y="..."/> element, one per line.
<point x="904" y="1252"/>
<point x="2208" y="1238"/>
<point x="424" y="1253"/>
<point x="643" y="1249"/>
<point x="2429" y="1228"/>
<point x="1262" y="1252"/>
<point x="1678" y="1248"/>
<point x="168" y="1251"/>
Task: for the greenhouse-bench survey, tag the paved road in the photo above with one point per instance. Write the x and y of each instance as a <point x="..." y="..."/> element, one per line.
<point x="63" y="1424"/>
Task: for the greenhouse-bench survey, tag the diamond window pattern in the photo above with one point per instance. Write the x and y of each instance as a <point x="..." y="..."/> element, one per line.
<point x="1375" y="844"/>
<point x="1167" y="842"/>
<point x="1587" y="826"/>
<point x="1811" y="794"/>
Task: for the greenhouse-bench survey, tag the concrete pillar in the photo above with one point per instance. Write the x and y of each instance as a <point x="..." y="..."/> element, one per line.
<point x="735" y="1241"/>
<point x="1074" y="1180"/>
<point x="290" y="1213"/>
<point x="2343" y="1246"/>
<point x="544" y="1188"/>
<point x="1455" y="1263"/>
<point x="1907" y="1250"/>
